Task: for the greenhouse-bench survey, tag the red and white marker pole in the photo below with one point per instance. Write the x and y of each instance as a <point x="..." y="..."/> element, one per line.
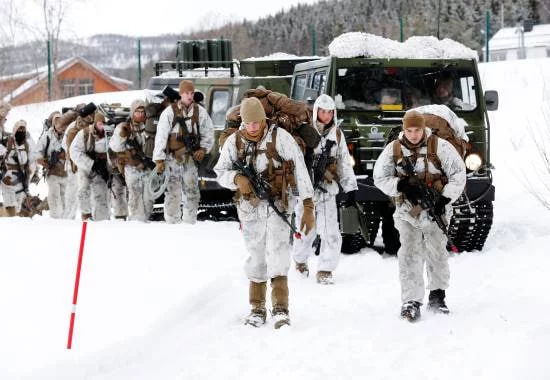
<point x="76" y="283"/>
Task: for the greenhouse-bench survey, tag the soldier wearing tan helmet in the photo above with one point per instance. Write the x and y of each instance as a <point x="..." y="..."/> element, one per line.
<point x="89" y="152"/>
<point x="274" y="153"/>
<point x="437" y="163"/>
<point x="128" y="142"/>
<point x="185" y="133"/>
<point x="51" y="156"/>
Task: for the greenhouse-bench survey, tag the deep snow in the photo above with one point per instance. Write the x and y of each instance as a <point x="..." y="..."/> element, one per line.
<point x="161" y="301"/>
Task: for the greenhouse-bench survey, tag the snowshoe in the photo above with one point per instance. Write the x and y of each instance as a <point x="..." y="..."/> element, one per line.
<point x="256" y="318"/>
<point x="325" y="278"/>
<point x="303" y="269"/>
<point x="280" y="318"/>
<point x="411" y="311"/>
<point x="436" y="302"/>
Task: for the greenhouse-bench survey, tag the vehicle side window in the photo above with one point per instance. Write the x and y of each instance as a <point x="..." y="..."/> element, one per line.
<point x="467" y="91"/>
<point x="300" y="83"/>
<point x="219" y="103"/>
<point x="319" y="80"/>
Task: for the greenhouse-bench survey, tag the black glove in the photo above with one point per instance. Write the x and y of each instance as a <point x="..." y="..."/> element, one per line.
<point x="100" y="167"/>
<point x="439" y="207"/>
<point x="350" y="198"/>
<point x="410" y="190"/>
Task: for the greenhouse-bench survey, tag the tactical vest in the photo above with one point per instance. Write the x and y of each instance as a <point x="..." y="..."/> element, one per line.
<point x="79" y="125"/>
<point x="58" y="169"/>
<point x="177" y="141"/>
<point x="279" y="178"/>
<point x="10" y="145"/>
<point x="437" y="181"/>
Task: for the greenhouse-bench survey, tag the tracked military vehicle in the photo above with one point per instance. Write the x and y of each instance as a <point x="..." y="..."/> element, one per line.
<point x="373" y="86"/>
<point x="222" y="81"/>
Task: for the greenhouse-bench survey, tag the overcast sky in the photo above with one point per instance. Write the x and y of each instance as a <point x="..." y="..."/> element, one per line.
<point x="137" y="18"/>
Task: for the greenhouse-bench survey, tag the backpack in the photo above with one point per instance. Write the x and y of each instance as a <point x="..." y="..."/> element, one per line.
<point x="441" y="128"/>
<point x="291" y="115"/>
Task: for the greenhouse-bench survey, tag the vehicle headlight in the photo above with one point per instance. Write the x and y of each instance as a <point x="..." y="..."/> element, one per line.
<point x="473" y="161"/>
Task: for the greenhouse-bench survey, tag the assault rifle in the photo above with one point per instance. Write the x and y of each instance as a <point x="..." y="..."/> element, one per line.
<point x="427" y="201"/>
<point x="21" y="174"/>
<point x="261" y="189"/>
<point x="320" y="165"/>
<point x="139" y="154"/>
<point x="100" y="166"/>
<point x="53" y="160"/>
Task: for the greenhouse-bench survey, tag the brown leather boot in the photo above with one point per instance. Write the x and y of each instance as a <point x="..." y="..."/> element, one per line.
<point x="256" y="296"/>
<point x="10" y="211"/>
<point x="279" y="301"/>
<point x="86" y="216"/>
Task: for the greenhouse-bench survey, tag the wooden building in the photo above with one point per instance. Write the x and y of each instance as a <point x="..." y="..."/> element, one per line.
<point x="75" y="76"/>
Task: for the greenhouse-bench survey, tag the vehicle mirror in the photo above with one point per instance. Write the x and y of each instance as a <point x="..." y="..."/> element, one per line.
<point x="491" y="100"/>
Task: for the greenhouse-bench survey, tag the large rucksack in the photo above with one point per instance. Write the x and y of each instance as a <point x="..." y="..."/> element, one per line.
<point x="289" y="114"/>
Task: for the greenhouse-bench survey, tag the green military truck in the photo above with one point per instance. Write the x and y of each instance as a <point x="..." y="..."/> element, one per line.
<point x="372" y="94"/>
<point x="223" y="82"/>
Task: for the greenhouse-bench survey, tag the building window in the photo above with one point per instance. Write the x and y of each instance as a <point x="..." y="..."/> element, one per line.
<point x="85" y="86"/>
<point x="68" y="87"/>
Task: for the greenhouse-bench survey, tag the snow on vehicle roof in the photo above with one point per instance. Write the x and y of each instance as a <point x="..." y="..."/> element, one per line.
<point x="359" y="44"/>
<point x="279" y="56"/>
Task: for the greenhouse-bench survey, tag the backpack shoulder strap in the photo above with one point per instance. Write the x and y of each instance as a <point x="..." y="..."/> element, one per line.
<point x="397" y="152"/>
<point x="338" y="135"/>
<point x="432" y="151"/>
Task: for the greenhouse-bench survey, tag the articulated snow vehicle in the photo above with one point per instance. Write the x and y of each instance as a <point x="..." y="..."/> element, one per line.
<point x="372" y="95"/>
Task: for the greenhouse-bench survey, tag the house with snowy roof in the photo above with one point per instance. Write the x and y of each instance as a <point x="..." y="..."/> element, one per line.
<point x="75" y="76"/>
<point x="515" y="43"/>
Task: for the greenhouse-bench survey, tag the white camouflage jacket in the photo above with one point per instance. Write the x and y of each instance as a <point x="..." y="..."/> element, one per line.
<point x="79" y="149"/>
<point x="346" y="176"/>
<point x="286" y="147"/>
<point x="164" y="128"/>
<point x="386" y="177"/>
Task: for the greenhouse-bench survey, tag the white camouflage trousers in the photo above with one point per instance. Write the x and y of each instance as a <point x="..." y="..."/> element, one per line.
<point x="13" y="195"/>
<point x="419" y="246"/>
<point x="93" y="195"/>
<point x="140" y="202"/>
<point x="71" y="191"/>
<point x="119" y="199"/>
<point x="267" y="242"/>
<point x="56" y="196"/>
<point x="182" y="191"/>
<point x="326" y="226"/>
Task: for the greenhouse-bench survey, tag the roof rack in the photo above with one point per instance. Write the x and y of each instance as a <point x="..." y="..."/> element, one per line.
<point x="203" y="67"/>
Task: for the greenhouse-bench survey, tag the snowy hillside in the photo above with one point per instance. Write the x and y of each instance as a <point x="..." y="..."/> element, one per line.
<point x="161" y="301"/>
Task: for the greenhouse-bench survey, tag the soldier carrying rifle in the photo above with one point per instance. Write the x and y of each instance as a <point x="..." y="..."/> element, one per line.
<point x="52" y="158"/>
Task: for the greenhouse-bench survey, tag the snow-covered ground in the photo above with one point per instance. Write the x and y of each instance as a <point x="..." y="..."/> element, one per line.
<point x="161" y="301"/>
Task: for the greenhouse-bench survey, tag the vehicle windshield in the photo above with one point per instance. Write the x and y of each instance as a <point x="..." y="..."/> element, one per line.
<point x="402" y="88"/>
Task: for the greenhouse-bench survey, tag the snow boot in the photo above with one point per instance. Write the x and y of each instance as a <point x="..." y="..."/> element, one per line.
<point x="436" y="302"/>
<point x="325" y="277"/>
<point x="279" y="301"/>
<point x="256" y="296"/>
<point x="411" y="311"/>
<point x="86" y="217"/>
<point x="303" y="269"/>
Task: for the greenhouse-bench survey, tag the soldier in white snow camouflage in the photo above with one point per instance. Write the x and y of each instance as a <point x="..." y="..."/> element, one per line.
<point x="185" y="133"/>
<point x="274" y="153"/>
<point x="51" y="156"/>
<point x="437" y="164"/>
<point x="338" y="171"/>
<point x="89" y="153"/>
<point x="20" y="156"/>
<point x="128" y="141"/>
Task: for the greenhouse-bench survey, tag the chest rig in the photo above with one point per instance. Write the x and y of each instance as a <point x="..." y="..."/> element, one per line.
<point x="279" y="174"/>
<point x="437" y="181"/>
<point x="184" y="143"/>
